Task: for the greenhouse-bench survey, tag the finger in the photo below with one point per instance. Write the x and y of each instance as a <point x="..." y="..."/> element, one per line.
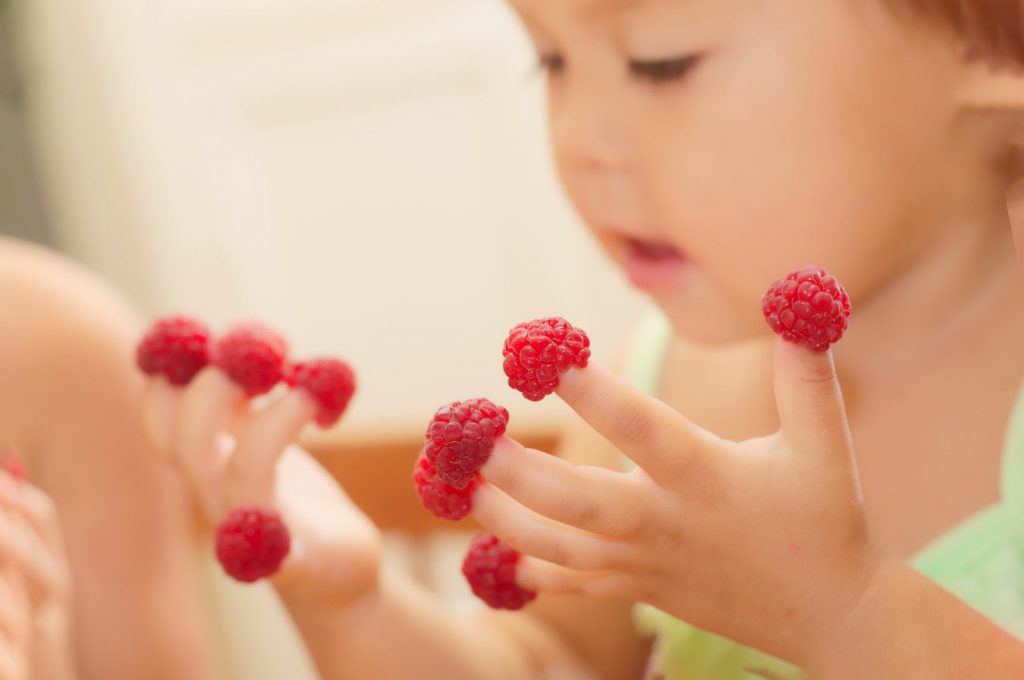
<point x="31" y="502"/>
<point x="588" y="498"/>
<point x="11" y="615"/>
<point x="23" y="550"/>
<point x="529" y="533"/>
<point x="15" y="550"/>
<point x="809" y="400"/>
<point x="161" y="403"/>
<point x="39" y="510"/>
<point x="657" y="438"/>
<point x="15" y="625"/>
<point x="15" y="616"/>
<point x="545" y="577"/>
<point x="200" y="440"/>
<point x="46" y="553"/>
<point x="250" y="474"/>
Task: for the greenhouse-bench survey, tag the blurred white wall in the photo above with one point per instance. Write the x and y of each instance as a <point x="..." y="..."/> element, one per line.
<point x="371" y="176"/>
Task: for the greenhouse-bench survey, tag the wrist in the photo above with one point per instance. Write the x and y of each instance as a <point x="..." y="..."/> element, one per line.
<point x="854" y="614"/>
<point x="906" y="625"/>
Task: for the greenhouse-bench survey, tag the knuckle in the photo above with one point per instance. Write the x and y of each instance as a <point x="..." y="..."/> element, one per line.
<point x="589" y="556"/>
<point x="816" y="374"/>
<point x="637" y="426"/>
<point x="631" y="523"/>
<point x="612" y="585"/>
<point x="557" y="553"/>
<point x="583" y="513"/>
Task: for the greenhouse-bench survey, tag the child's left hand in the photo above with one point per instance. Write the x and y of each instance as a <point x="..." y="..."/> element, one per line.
<point x="764" y="541"/>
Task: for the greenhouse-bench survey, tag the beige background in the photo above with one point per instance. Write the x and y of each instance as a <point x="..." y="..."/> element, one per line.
<point x="370" y="176"/>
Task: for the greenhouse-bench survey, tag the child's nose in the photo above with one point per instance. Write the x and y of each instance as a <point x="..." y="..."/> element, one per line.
<point x="588" y="128"/>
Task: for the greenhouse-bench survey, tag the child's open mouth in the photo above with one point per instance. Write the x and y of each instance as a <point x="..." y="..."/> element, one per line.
<point x="651" y="265"/>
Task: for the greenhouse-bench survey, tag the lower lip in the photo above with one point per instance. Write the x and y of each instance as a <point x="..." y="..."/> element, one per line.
<point x="653" y="273"/>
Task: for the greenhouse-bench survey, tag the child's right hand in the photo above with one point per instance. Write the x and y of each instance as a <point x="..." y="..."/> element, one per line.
<point x="232" y="453"/>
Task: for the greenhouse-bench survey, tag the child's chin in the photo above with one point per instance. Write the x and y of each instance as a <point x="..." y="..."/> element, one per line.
<point x="715" y="329"/>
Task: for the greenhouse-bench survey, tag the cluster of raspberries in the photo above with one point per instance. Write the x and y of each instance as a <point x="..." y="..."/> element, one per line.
<point x="461" y="436"/>
<point x="808" y="307"/>
<point x="251" y="542"/>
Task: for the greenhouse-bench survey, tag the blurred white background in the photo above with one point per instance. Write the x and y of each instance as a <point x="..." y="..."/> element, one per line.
<point x="369" y="176"/>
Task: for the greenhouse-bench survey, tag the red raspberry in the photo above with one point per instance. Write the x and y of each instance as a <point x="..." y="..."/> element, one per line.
<point x="251" y="543"/>
<point x="253" y="356"/>
<point x="460" y="439"/>
<point x="490" y="568"/>
<point x="175" y="347"/>
<point x="330" y="382"/>
<point x="440" y="499"/>
<point x="537" y="351"/>
<point x="808" y="307"/>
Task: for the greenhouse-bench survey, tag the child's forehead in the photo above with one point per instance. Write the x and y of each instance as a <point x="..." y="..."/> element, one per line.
<point x="550" y="16"/>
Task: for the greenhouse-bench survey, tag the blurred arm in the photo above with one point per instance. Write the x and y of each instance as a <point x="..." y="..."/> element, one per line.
<point x="69" y="399"/>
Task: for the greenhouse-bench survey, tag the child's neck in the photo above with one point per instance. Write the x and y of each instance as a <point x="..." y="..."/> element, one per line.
<point x="931" y="388"/>
<point x="970" y="282"/>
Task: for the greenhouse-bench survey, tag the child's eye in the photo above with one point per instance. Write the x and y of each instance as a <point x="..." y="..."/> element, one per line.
<point x="663" y="70"/>
<point x="552" y="64"/>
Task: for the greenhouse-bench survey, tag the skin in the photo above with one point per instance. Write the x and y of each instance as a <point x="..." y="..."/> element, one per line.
<point x="828" y="132"/>
<point x="70" y="404"/>
<point x="36" y="585"/>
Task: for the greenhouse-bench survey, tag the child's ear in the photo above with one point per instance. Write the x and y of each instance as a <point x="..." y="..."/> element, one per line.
<point x="992" y="89"/>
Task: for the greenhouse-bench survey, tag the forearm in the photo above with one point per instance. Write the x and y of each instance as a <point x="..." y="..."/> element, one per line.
<point x="907" y="626"/>
<point x="401" y="631"/>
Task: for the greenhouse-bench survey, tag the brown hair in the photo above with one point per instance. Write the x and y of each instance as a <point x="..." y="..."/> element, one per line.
<point x="992" y="30"/>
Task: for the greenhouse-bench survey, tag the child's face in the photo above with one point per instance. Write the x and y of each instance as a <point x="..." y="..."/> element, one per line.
<point x="714" y="145"/>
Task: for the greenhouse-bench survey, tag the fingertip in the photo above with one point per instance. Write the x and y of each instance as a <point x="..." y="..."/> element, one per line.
<point x="575" y="381"/>
<point x="486" y="500"/>
<point x="300" y="402"/>
<point x="501" y="456"/>
<point x="809" y="398"/>
<point x="213" y="379"/>
<point x="801" y="362"/>
<point x="526" y="576"/>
